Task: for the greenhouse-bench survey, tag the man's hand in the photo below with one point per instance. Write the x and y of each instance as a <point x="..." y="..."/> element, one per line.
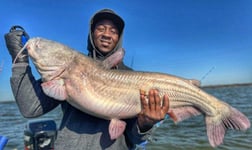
<point x="153" y="109"/>
<point x="14" y="42"/>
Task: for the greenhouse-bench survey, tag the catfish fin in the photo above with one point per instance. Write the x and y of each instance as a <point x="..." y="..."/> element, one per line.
<point x="194" y="82"/>
<point x="113" y="59"/>
<point x="172" y="115"/>
<point x="55" y="89"/>
<point x="116" y="128"/>
<point x="183" y="113"/>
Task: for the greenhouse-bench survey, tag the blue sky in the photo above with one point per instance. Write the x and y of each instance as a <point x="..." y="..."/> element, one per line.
<point x="208" y="40"/>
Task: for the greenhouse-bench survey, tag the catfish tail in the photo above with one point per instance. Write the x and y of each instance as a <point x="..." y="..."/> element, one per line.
<point x="216" y="128"/>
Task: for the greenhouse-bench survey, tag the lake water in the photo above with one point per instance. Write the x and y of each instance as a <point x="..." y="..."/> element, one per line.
<point x="189" y="134"/>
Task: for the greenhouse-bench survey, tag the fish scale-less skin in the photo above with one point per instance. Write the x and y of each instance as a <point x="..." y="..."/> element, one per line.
<point x="120" y="86"/>
<point x="182" y="94"/>
<point x="114" y="94"/>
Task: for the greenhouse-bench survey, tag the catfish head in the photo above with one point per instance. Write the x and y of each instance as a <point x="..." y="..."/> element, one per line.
<point x="50" y="58"/>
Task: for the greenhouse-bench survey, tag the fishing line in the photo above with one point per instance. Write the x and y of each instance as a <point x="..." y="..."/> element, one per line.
<point x="207" y="74"/>
<point x="1" y="67"/>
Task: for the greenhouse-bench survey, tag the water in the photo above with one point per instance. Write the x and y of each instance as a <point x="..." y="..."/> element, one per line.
<point x="12" y="124"/>
<point x="189" y="134"/>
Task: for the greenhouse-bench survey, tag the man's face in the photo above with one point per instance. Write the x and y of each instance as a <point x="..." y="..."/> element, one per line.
<point x="105" y="36"/>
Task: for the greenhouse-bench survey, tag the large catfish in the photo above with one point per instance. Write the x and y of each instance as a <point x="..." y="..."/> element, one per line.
<point x="114" y="94"/>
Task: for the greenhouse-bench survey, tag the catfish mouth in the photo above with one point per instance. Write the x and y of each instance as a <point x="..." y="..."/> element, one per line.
<point x="31" y="46"/>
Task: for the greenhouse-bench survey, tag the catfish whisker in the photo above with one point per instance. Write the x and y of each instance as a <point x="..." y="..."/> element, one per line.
<point x="19" y="54"/>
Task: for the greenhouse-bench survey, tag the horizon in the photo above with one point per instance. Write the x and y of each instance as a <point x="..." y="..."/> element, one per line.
<point x="202" y="87"/>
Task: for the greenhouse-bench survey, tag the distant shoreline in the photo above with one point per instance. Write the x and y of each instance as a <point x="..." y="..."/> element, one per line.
<point x="7" y="101"/>
<point x="227" y="85"/>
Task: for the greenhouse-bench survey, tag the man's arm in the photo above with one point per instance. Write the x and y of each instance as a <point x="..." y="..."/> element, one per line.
<point x="30" y="98"/>
<point x="32" y="102"/>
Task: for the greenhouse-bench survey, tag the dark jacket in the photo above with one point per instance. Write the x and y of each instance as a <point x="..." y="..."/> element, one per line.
<point x="78" y="130"/>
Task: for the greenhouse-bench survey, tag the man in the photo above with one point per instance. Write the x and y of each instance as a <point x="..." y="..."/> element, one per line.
<point x="79" y="130"/>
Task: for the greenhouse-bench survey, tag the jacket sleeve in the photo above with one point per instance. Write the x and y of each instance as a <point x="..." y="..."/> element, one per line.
<point x="27" y="91"/>
<point x="133" y="134"/>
